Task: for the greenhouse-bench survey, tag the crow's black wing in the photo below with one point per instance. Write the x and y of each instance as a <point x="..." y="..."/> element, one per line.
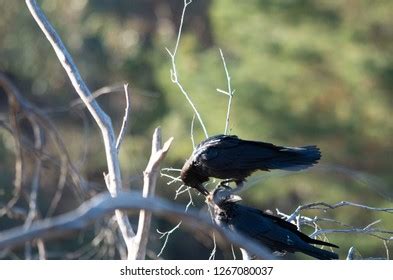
<point x="224" y="152"/>
<point x="254" y="225"/>
<point x="274" y="223"/>
<point x="293" y="228"/>
<point x="229" y="152"/>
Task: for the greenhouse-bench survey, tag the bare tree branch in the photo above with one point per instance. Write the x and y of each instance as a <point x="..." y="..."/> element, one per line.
<point x="365" y="230"/>
<point x="101" y="118"/>
<point x="245" y="255"/>
<point x="351" y="254"/>
<point x="103" y="204"/>
<point x="150" y="176"/>
<point x="214" y="249"/>
<point x="35" y="184"/>
<point x="37" y="118"/>
<point x="383" y="234"/>
<point x="385" y="244"/>
<point x="325" y="206"/>
<point x="19" y="168"/>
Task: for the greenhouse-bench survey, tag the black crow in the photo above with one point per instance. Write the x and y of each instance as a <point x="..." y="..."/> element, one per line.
<point x="233" y="159"/>
<point x="272" y="231"/>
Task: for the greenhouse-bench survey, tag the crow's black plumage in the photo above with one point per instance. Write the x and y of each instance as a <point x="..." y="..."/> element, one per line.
<point x="272" y="231"/>
<point x="228" y="157"/>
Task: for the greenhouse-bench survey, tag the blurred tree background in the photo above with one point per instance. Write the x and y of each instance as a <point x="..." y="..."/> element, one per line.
<point x="305" y="72"/>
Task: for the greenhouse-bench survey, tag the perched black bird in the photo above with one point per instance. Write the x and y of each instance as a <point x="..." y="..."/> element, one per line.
<point x="271" y="231"/>
<point x="228" y="157"/>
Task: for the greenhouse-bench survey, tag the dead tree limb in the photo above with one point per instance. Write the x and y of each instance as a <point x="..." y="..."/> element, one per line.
<point x="150" y="176"/>
<point x="104" y="204"/>
<point x="101" y="118"/>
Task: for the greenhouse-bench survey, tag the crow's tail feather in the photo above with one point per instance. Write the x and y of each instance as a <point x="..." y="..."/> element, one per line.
<point x="294" y="159"/>
<point x="319" y="253"/>
<point x="320" y="242"/>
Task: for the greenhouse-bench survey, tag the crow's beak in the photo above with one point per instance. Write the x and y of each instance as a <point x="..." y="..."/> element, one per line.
<point x="202" y="190"/>
<point x="234" y="198"/>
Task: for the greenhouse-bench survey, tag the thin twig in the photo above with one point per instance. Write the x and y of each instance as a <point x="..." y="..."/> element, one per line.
<point x="61" y="182"/>
<point x="174" y="179"/>
<point x="174" y="73"/>
<point x="245" y="255"/>
<point x="124" y="125"/>
<point x="190" y="201"/>
<point x="369" y="231"/>
<point x="228" y="92"/>
<point x="233" y="252"/>
<point x="166" y="234"/>
<point x="171" y="169"/>
<point x="41" y="249"/>
<point x="192" y="132"/>
<point x="214" y="249"/>
<point x="351" y="253"/>
<point x="385" y="244"/>
<point x="325" y="206"/>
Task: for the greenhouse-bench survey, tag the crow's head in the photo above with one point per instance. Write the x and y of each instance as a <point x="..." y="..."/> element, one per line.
<point x="192" y="179"/>
<point x="223" y="195"/>
<point x="222" y="199"/>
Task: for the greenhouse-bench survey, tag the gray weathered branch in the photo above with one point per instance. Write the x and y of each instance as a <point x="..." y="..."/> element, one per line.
<point x="102" y="119"/>
<point x="103" y="204"/>
<point x="150" y="176"/>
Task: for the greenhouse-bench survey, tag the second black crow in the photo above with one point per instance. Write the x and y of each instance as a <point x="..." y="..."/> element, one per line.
<point x="271" y="231"/>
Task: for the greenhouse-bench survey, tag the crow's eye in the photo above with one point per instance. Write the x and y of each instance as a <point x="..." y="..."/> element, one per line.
<point x="221" y="214"/>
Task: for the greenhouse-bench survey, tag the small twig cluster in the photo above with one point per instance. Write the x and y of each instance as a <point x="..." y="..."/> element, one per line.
<point x="301" y="220"/>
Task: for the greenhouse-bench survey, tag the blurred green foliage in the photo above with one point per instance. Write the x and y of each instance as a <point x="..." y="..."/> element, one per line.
<point x="305" y="72"/>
